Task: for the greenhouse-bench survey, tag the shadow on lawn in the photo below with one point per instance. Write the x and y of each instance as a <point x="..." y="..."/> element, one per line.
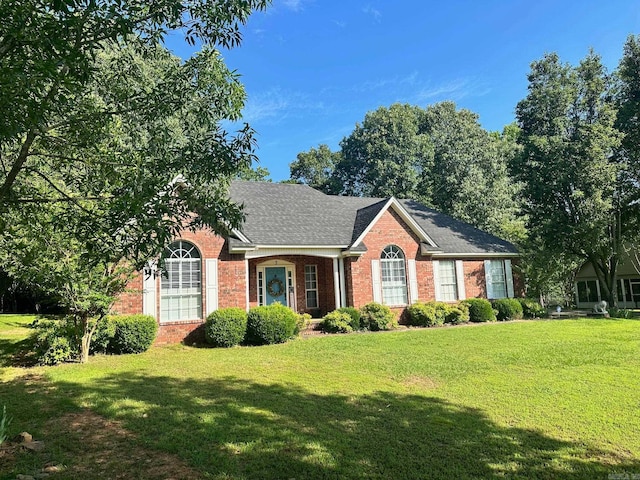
<point x="232" y="429"/>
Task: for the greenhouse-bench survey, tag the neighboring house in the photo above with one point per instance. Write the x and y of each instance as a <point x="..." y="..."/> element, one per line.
<point x="315" y="253"/>
<point x="587" y="286"/>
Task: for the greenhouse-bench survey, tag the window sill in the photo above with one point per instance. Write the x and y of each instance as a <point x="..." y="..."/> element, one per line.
<point x="180" y="322"/>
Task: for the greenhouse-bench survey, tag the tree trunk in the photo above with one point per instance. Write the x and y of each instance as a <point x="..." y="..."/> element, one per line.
<point x="607" y="274"/>
<point x="87" y="334"/>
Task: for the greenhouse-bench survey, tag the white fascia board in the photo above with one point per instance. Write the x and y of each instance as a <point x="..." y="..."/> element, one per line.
<point x="323" y="251"/>
<point x="408" y="219"/>
<point x="240" y="235"/>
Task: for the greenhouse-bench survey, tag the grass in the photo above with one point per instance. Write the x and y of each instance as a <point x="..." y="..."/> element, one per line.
<point x="539" y="399"/>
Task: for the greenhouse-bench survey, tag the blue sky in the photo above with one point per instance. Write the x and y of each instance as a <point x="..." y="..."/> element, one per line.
<point x="313" y="68"/>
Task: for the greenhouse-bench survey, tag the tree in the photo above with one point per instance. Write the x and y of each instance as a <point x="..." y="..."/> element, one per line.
<point x="315" y="168"/>
<point x="385" y="155"/>
<point x="258" y="174"/>
<point x="571" y="179"/>
<point x="114" y="144"/>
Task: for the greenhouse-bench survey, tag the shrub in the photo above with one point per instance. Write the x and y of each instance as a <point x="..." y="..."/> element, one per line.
<point x="425" y="314"/>
<point x="303" y="320"/>
<point x="354" y="313"/>
<point x="507" y="308"/>
<point x="532" y="308"/>
<point x="134" y="333"/>
<point x="480" y="310"/>
<point x="270" y="324"/>
<point x="226" y="327"/>
<point x="55" y="340"/>
<point x="374" y="317"/>
<point x="336" y="322"/>
<point x="615" y="312"/>
<point x="457" y="314"/>
<point x="103" y="336"/>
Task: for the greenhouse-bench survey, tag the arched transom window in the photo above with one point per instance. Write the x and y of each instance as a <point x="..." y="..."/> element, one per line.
<point x="181" y="284"/>
<point x="394" y="277"/>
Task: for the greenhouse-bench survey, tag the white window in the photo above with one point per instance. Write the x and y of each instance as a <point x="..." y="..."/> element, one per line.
<point x="311" y="285"/>
<point x="181" y="284"/>
<point x="499" y="278"/>
<point x="394" y="277"/>
<point x="448" y="281"/>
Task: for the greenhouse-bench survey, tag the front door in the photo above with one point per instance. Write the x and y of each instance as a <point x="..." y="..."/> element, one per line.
<point x="276" y="285"/>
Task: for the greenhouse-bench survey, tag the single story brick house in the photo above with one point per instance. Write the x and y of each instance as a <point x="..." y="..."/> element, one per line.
<point x="317" y="252"/>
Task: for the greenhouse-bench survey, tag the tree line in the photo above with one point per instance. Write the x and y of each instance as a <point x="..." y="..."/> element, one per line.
<point x="563" y="182"/>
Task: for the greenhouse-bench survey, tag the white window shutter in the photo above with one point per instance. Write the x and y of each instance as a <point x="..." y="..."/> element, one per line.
<point x="149" y="291"/>
<point x="508" y="272"/>
<point x="436" y="280"/>
<point x="487" y="275"/>
<point x="376" y="281"/>
<point x="460" y="280"/>
<point x="413" y="281"/>
<point x="212" y="285"/>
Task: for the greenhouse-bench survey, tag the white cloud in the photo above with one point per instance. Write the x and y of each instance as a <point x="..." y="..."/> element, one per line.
<point x="276" y="104"/>
<point x="373" y="12"/>
<point x="295" y="5"/>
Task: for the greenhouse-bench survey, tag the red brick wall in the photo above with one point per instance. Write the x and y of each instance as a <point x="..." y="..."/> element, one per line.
<point x="390" y="229"/>
<point x="474" y="279"/>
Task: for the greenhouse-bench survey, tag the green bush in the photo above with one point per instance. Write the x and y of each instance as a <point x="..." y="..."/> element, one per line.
<point x="303" y="320"/>
<point x="336" y="322"/>
<point x="615" y="312"/>
<point x="226" y="327"/>
<point x="480" y="310"/>
<point x="457" y="314"/>
<point x="103" y="336"/>
<point x="270" y="324"/>
<point x="55" y="340"/>
<point x="354" y="313"/>
<point x="426" y="314"/>
<point x="507" y="308"/>
<point x="134" y="333"/>
<point x="532" y="308"/>
<point x="375" y="316"/>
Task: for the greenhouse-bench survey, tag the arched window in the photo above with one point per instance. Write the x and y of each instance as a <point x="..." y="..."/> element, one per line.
<point x="181" y="284"/>
<point x="394" y="277"/>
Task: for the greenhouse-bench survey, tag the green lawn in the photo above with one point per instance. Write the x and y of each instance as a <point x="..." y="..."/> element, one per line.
<point x="538" y="399"/>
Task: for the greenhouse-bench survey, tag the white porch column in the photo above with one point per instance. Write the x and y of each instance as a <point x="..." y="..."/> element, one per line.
<point x="343" y="290"/>
<point x="246" y="281"/>
<point x="336" y="282"/>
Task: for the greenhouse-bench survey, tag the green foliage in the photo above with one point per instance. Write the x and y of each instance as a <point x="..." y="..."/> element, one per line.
<point x="226" y="327"/>
<point x="532" y="308"/>
<point x="337" y="322"/>
<point x="134" y="333"/>
<point x="507" y="308"/>
<point x="480" y="310"/>
<point x="103" y="336"/>
<point x="270" y="324"/>
<point x="303" y="320"/>
<point x="457" y="313"/>
<point x="433" y="313"/>
<point x="615" y="312"/>
<point x="55" y="340"/>
<point x="5" y="421"/>
<point x="354" y="313"/>
<point x="315" y="167"/>
<point x="375" y="316"/>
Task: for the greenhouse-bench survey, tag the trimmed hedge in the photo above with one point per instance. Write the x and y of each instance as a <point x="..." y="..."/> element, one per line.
<point x="55" y="340"/>
<point x="103" y="336"/>
<point x="532" y="308"/>
<point x="507" y="308"/>
<point x="375" y="316"/>
<point x="303" y="320"/>
<point x="270" y="324"/>
<point x="457" y="314"/>
<point x="336" y="322"/>
<point x="134" y="333"/>
<point x="226" y="327"/>
<point x="354" y="313"/>
<point x="480" y="310"/>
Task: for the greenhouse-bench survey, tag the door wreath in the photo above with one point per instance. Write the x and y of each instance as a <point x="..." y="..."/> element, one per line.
<point x="275" y="287"/>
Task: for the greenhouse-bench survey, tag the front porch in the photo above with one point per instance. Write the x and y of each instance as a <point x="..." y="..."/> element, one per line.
<point x="306" y="283"/>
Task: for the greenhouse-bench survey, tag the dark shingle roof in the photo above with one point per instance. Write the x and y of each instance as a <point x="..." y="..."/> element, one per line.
<point x="297" y="215"/>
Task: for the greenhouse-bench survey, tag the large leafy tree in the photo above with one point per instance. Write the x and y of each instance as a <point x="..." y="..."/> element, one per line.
<point x="315" y="168"/>
<point x="575" y="198"/>
<point x="112" y="145"/>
